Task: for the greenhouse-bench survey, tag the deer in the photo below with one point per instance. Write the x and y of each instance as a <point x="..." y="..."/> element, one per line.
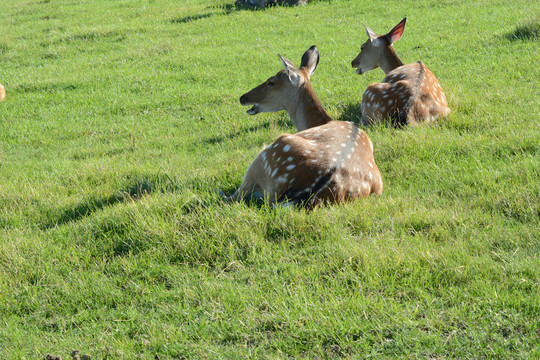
<point x="2" y="93"/>
<point x="408" y="94"/>
<point x="327" y="161"/>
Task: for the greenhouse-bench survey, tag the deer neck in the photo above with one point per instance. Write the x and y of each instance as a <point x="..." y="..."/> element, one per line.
<point x="390" y="61"/>
<point x="307" y="112"/>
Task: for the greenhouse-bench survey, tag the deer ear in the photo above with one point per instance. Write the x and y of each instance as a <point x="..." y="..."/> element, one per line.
<point x="292" y="71"/>
<point x="397" y="31"/>
<point x="310" y="60"/>
<point x="373" y="37"/>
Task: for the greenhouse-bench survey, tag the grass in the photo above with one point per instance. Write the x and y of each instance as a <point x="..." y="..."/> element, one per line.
<point x="122" y="118"/>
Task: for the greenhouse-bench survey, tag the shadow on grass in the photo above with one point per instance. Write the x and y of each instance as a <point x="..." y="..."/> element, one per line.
<point x="351" y="112"/>
<point x="191" y="18"/>
<point x="528" y="32"/>
<point x="132" y="192"/>
<point x="47" y="87"/>
<point x="221" y="10"/>
<point x="265" y="125"/>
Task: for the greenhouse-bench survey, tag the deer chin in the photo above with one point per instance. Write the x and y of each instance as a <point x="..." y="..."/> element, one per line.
<point x="359" y="70"/>
<point x="254" y="110"/>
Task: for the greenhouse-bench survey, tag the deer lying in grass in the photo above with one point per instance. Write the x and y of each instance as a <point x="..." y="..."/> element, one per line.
<point x="327" y="161"/>
<point x="2" y="93"/>
<point x="409" y="93"/>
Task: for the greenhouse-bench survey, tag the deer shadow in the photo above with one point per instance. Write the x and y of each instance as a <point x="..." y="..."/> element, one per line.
<point x="353" y="113"/>
<point x="133" y="191"/>
<point x="527" y="32"/>
<point x="212" y="11"/>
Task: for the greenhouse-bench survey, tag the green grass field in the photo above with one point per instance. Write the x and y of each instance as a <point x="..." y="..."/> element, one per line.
<point x="122" y="118"/>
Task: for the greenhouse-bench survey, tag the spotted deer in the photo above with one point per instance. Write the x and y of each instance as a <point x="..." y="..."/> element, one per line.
<point x="2" y="93"/>
<point x="408" y="94"/>
<point x="328" y="161"/>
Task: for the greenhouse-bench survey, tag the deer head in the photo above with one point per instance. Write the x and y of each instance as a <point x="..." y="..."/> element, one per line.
<point x="378" y="50"/>
<point x="290" y="89"/>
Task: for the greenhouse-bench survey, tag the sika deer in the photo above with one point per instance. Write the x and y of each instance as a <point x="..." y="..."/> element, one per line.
<point x="327" y="161"/>
<point x="408" y="93"/>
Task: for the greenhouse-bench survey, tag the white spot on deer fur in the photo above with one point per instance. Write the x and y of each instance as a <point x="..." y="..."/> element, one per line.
<point x="307" y="152"/>
<point x="290" y="158"/>
<point x="365" y="184"/>
<point x="390" y="101"/>
<point x="349" y="156"/>
<point x="334" y="160"/>
<point x="274" y="172"/>
<point x="286" y="148"/>
<point x="282" y="179"/>
<point x="328" y="145"/>
<point x="290" y="167"/>
<point x="339" y="152"/>
<point x="370" y="176"/>
<point x="314" y="160"/>
<point x="343" y="145"/>
<point x="370" y="164"/>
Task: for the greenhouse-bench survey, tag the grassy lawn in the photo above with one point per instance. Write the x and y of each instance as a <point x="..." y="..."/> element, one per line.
<point x="122" y="118"/>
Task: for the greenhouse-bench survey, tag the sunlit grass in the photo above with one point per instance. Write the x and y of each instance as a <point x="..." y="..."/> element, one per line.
<point x="122" y="119"/>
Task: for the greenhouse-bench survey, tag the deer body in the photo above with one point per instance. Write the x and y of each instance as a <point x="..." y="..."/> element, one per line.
<point x="327" y="161"/>
<point x="2" y="93"/>
<point x="408" y="94"/>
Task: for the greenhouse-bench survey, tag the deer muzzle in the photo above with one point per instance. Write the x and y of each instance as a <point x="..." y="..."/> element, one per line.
<point x="245" y="102"/>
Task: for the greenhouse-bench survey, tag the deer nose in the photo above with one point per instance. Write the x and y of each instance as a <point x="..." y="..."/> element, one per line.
<point x="243" y="99"/>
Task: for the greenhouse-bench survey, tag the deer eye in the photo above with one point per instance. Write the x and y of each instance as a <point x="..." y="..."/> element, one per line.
<point x="271" y="83"/>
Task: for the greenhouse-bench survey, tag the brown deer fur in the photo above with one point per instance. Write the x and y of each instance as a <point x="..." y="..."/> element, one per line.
<point x="327" y="161"/>
<point x="408" y="94"/>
